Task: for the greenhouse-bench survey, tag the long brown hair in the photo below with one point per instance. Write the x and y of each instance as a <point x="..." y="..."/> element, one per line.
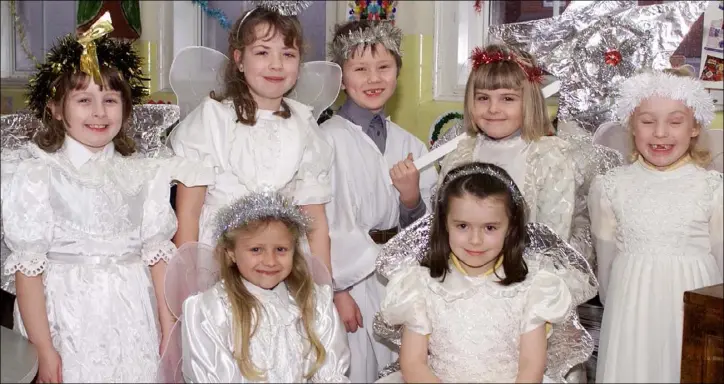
<point x="246" y="309"/>
<point x="52" y="137"/>
<point x="244" y="34"/>
<point x="508" y="74"/>
<point x="479" y="185"/>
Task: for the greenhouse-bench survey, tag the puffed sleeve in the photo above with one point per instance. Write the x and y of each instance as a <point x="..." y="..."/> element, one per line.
<point x="206" y="356"/>
<point x="313" y="185"/>
<point x="715" y="222"/>
<point x="557" y="193"/>
<point x="333" y="336"/>
<point x="548" y="298"/>
<point x="27" y="218"/>
<point x="603" y="232"/>
<point x="193" y="138"/>
<point x="159" y="220"/>
<point x="404" y="302"/>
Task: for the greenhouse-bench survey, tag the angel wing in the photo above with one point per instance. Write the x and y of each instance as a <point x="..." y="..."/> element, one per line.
<point x="714" y="138"/>
<point x="196" y="71"/>
<point x="615" y="136"/>
<point x="192" y="270"/>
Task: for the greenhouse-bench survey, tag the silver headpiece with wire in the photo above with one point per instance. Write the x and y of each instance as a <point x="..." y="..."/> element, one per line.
<point x="478" y="168"/>
<point x="379" y="32"/>
<point x="258" y="206"/>
<point x="284" y="8"/>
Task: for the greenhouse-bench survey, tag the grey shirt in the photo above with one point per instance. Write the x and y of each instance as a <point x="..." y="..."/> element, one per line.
<point x="374" y="125"/>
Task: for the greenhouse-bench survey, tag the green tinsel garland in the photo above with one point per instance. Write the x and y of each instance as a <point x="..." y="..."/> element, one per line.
<point x="65" y="57"/>
<point x="440" y="123"/>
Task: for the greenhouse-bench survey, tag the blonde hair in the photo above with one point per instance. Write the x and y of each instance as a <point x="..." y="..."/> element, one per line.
<point x="508" y="74"/>
<point x="698" y="153"/>
<point x="245" y="308"/>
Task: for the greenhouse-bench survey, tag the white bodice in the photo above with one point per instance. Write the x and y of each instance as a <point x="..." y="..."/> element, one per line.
<point x="287" y="155"/>
<point x="278" y="348"/>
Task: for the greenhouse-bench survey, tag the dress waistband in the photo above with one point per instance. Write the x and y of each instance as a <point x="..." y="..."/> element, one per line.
<point x="72" y="258"/>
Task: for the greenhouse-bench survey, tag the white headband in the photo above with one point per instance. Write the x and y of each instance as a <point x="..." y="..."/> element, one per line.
<point x="686" y="89"/>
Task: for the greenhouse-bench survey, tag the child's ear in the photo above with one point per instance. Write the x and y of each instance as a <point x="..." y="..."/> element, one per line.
<point x="237" y="59"/>
<point x="696" y="130"/>
<point x="55" y="110"/>
<point x="230" y="257"/>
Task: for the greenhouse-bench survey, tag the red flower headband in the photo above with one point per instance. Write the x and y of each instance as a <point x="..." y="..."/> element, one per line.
<point x="480" y="57"/>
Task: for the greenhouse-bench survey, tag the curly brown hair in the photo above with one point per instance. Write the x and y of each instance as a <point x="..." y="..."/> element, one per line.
<point x="244" y="34"/>
<point x="52" y="137"/>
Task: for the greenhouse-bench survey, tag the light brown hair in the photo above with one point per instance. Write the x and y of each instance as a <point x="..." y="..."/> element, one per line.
<point x="241" y="36"/>
<point x="700" y="155"/>
<point x="508" y="74"/>
<point x="52" y="137"/>
<point x="246" y="309"/>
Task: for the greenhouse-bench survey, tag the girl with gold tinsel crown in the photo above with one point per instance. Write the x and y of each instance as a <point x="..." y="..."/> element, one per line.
<point x="87" y="221"/>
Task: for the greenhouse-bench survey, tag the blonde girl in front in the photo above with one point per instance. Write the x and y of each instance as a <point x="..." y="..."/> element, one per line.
<point x="507" y="124"/>
<point x="266" y="320"/>
<point x="657" y="228"/>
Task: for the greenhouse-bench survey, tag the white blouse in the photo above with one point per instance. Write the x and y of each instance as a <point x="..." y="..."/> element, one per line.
<point x="278" y="348"/>
<point x="288" y="155"/>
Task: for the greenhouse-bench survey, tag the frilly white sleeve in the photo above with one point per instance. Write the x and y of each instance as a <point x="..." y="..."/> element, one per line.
<point x="603" y="232"/>
<point x="404" y="302"/>
<point x="193" y="138"/>
<point x="557" y="193"/>
<point x="27" y="219"/>
<point x="207" y="357"/>
<point x="715" y="222"/>
<point x="189" y="172"/>
<point x="159" y="220"/>
<point x="548" y="299"/>
<point x="313" y="185"/>
<point x="333" y="336"/>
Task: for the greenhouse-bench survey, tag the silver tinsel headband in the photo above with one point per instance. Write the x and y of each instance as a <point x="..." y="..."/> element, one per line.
<point x="379" y="32"/>
<point x="688" y="90"/>
<point x="284" y="8"/>
<point x="478" y="168"/>
<point x="258" y="206"/>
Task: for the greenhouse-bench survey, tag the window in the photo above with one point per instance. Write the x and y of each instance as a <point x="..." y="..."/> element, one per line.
<point x="458" y="29"/>
<point x="43" y="23"/>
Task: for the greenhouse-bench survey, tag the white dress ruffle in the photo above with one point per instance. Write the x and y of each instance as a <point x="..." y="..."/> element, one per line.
<point x="91" y="224"/>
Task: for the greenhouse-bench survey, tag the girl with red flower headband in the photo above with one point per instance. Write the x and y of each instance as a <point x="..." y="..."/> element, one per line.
<point x="507" y="124"/>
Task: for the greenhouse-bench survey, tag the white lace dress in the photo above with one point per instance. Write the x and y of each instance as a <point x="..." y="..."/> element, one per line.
<point x="92" y="224"/>
<point x="288" y="155"/>
<point x="474" y="324"/>
<point x="657" y="235"/>
<point x="543" y="170"/>
<point x="278" y="348"/>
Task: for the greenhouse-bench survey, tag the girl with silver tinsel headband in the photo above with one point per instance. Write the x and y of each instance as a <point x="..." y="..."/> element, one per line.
<point x="482" y="295"/>
<point x="249" y="309"/>
<point x="657" y="227"/>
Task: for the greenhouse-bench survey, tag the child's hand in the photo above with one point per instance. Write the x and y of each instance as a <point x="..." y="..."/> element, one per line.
<point x="50" y="369"/>
<point x="406" y="179"/>
<point x="348" y="311"/>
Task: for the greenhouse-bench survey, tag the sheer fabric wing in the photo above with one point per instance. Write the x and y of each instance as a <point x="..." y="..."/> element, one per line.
<point x="615" y="136"/>
<point x="318" y="85"/>
<point x="192" y="270"/>
<point x="194" y="73"/>
<point x="714" y="138"/>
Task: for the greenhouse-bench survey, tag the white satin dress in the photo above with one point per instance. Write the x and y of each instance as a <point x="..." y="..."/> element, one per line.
<point x="279" y="346"/>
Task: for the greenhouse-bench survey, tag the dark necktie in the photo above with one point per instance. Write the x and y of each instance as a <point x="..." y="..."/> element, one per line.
<point x="376" y="131"/>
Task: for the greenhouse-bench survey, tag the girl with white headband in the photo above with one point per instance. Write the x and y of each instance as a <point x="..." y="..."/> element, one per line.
<point x="657" y="228"/>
